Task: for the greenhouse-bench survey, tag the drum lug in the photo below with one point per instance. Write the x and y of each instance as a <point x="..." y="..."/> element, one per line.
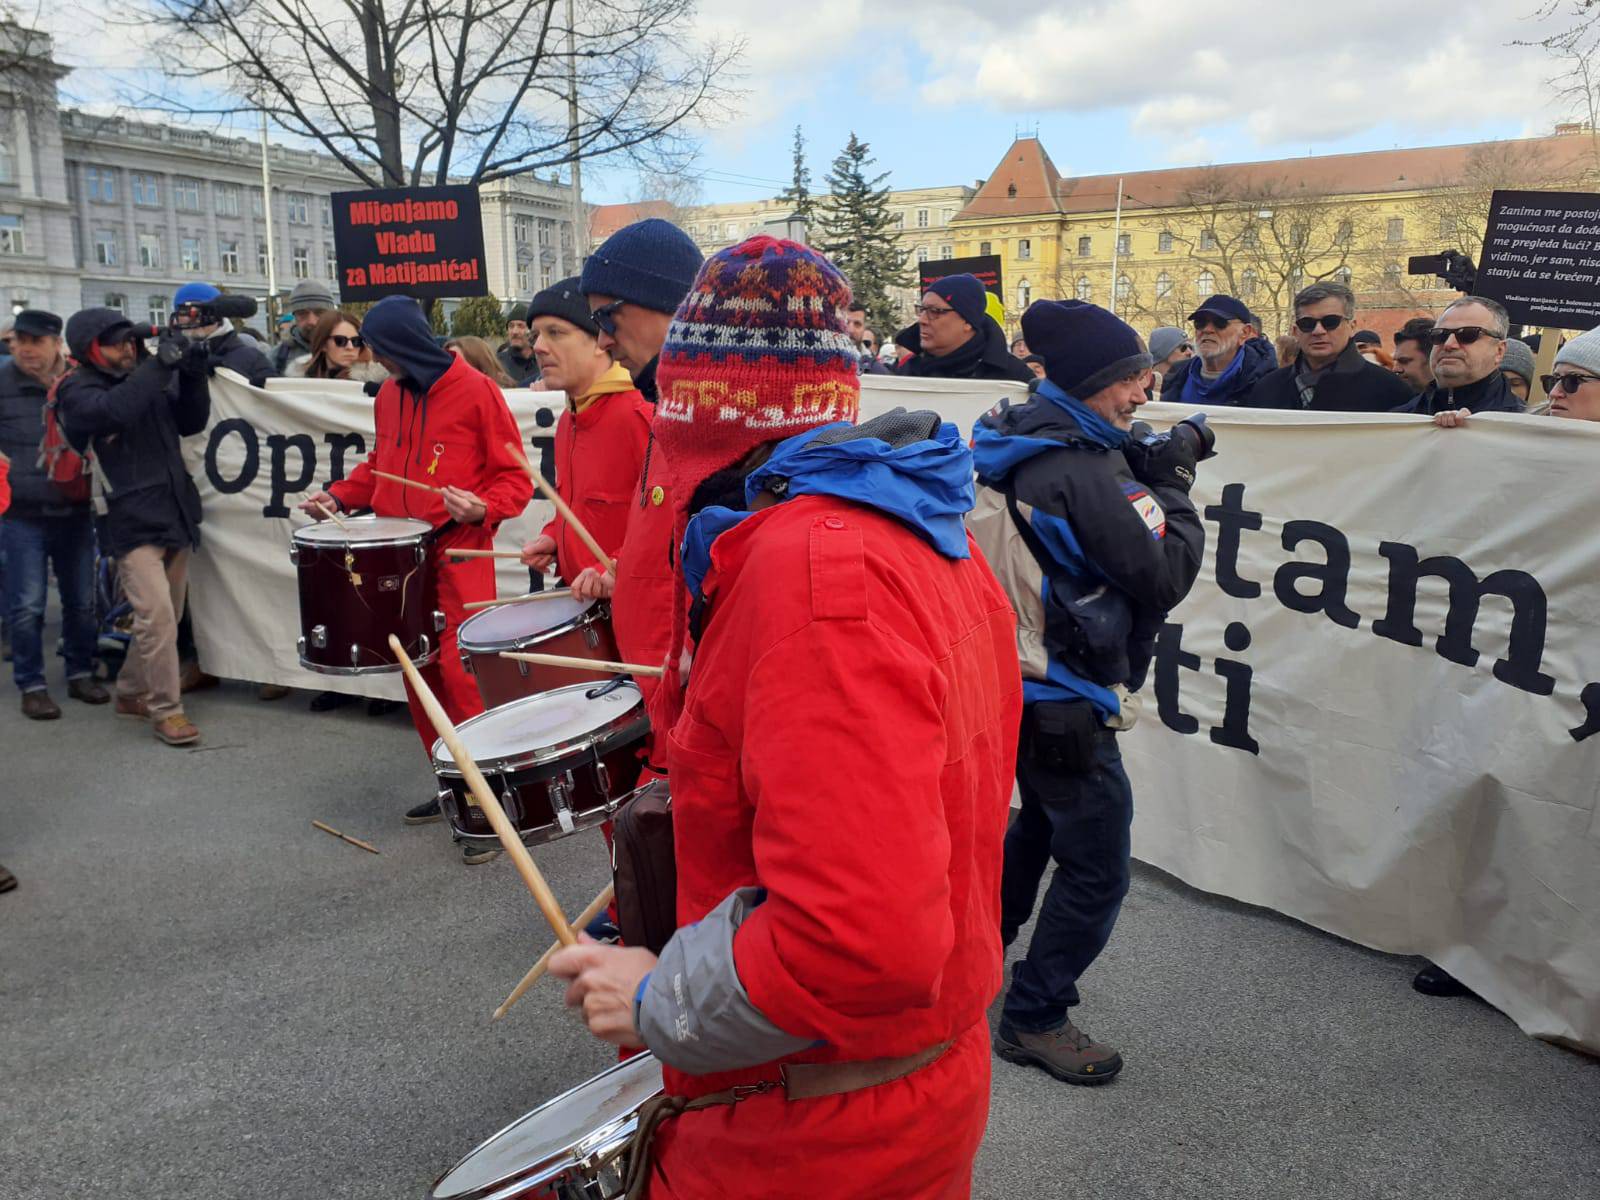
<point x="424" y="646"/>
<point x="591" y="634"/>
<point x="438" y="621"/>
<point x="319" y="636"/>
<point x="355" y="654"/>
<point x="560" y="787"/>
<point x="422" y="554"/>
<point x="602" y="777"/>
<point x="294" y="555"/>
<point x="300" y="646"/>
<point x="466" y="665"/>
<point x="522" y="668"/>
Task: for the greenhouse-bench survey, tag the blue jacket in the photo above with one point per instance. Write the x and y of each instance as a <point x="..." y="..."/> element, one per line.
<point x="1184" y="384"/>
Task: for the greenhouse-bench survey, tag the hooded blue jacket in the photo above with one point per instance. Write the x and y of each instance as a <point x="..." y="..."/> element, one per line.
<point x="1185" y="383"/>
<point x="397" y="330"/>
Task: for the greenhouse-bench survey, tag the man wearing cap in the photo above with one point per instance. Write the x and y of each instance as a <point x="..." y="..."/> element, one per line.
<point x="307" y="303"/>
<point x="224" y="346"/>
<point x="958" y="339"/>
<point x="1169" y="346"/>
<point x="45" y="530"/>
<point x="1329" y="374"/>
<point x="840" y="768"/>
<point x="1229" y="358"/>
<point x="1094" y="538"/>
<point x="600" y="438"/>
<point x="130" y="410"/>
<point x="517" y="357"/>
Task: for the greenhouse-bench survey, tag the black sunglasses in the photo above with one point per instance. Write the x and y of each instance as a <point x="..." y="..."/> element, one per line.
<point x="1330" y="323"/>
<point x="605" y="317"/>
<point x="1205" y="321"/>
<point x="1567" y="382"/>
<point x="344" y="341"/>
<point x="1465" y="335"/>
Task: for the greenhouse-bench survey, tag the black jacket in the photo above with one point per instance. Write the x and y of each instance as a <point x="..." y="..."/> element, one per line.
<point x="22" y="400"/>
<point x="984" y="356"/>
<point x="523" y="371"/>
<point x="291" y="347"/>
<point x="1352" y="384"/>
<point x="133" y="424"/>
<point x="1489" y="394"/>
<point x="1259" y="360"/>
<point x="230" y="350"/>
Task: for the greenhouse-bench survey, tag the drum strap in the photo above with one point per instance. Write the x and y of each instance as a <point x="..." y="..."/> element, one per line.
<point x="800" y="1081"/>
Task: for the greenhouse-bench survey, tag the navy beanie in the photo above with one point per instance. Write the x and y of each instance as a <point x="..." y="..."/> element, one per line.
<point x="1085" y="348"/>
<point x="967" y="295"/>
<point x="650" y="263"/>
<point x="565" y="301"/>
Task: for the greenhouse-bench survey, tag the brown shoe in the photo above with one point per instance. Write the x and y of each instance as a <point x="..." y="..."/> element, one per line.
<point x="37" y="706"/>
<point x="88" y="690"/>
<point x="192" y="679"/>
<point x="177" y="730"/>
<point x="1067" y="1053"/>
<point x="131" y="706"/>
<point x="271" y="691"/>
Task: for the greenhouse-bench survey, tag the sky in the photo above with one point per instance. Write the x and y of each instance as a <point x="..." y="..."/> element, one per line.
<point x="939" y="88"/>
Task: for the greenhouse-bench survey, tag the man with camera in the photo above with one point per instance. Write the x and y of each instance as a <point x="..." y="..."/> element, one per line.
<point x="1086" y="520"/>
<point x="199" y="312"/>
<point x="129" y="409"/>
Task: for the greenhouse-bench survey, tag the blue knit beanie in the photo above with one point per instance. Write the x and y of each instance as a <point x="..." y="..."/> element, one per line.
<point x="649" y="263"/>
<point x="1085" y="348"/>
<point x="967" y="295"/>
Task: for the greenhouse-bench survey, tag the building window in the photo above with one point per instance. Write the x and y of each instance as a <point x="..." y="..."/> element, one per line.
<point x="1397" y="229"/>
<point x="189" y="255"/>
<point x="947" y="251"/>
<point x="1124" y="289"/>
<point x="1391" y="276"/>
<point x="146" y="190"/>
<point x="227" y="197"/>
<point x="922" y="218"/>
<point x="1124" y="244"/>
<point x="1163" y="286"/>
<point x="899" y="220"/>
<point x="1085" y="289"/>
<point x="922" y="254"/>
<point x="1024" y="295"/>
<point x="12" y="240"/>
<point x="1164" y="242"/>
<point x="100" y="183"/>
<point x="521" y="230"/>
<point x="522" y="281"/>
<point x="261" y="258"/>
<point x="300" y="262"/>
<point x="228" y="257"/>
<point x="1297" y="279"/>
<point x="257" y="206"/>
<point x="117" y="303"/>
<point x="158" y="310"/>
<point x="326" y="208"/>
<point x="730" y="230"/>
<point x="1447" y="227"/>
<point x="544" y="233"/>
<point x="186" y="194"/>
<point x="1011" y="191"/>
<point x="1208" y="239"/>
<point x="150" y="251"/>
<point x="1299" y="235"/>
<point x="329" y="259"/>
<point x="983" y="248"/>
<point x="1247" y="285"/>
<point x="299" y="207"/>
<point x="1250" y="239"/>
<point x="8" y="161"/>
<point x="1024" y="248"/>
<point x="1205" y="284"/>
<point x="105" y="247"/>
<point x="1085" y="249"/>
<point x="1346" y="232"/>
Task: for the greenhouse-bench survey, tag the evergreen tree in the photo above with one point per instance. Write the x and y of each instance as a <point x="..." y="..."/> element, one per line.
<point x="858" y="234"/>
<point x="798" y="194"/>
<point x="480" y="316"/>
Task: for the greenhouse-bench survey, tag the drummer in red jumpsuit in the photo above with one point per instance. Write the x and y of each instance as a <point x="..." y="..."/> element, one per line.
<point x="441" y="422"/>
<point x="841" y="769"/>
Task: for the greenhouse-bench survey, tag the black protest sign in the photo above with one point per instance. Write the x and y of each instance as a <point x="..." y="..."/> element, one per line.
<point x="425" y="242"/>
<point x="985" y="266"/>
<point x="1541" y="257"/>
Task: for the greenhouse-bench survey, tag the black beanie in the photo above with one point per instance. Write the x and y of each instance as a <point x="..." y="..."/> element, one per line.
<point x="564" y="300"/>
<point x="1085" y="348"/>
<point x="967" y="295"/>
<point x="519" y="312"/>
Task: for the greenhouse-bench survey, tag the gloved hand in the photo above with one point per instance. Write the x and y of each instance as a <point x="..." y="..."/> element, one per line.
<point x="196" y="360"/>
<point x="170" y="350"/>
<point x="1165" y="461"/>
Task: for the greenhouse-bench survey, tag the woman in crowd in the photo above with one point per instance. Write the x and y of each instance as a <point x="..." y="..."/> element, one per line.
<point x="337" y="352"/>
<point x="481" y="355"/>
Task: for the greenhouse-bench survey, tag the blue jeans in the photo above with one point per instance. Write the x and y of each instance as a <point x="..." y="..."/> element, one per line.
<point x="32" y="546"/>
<point x="1082" y="820"/>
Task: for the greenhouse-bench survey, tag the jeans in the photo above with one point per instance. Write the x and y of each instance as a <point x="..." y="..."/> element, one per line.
<point x="32" y="546"/>
<point x="1082" y="821"/>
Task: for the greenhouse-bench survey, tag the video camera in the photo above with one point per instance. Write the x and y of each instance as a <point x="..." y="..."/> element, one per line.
<point x="212" y="312"/>
<point x="1452" y="266"/>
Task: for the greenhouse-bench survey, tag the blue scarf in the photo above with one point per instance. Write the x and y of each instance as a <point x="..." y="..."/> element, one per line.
<point x="1198" y="390"/>
<point x="1093" y="426"/>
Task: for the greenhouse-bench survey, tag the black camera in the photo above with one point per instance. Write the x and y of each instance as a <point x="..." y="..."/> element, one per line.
<point x="1193" y="430"/>
<point x="212" y="312"/>
<point x="1452" y="266"/>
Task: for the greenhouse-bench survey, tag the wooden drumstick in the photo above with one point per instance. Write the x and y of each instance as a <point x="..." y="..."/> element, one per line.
<point x="539" y="968"/>
<point x="328" y="512"/>
<point x="585" y="664"/>
<point x="562" y="507"/>
<point x="526" y="867"/>
<point x="547" y="594"/>
<point x="404" y="482"/>
<point x="345" y="837"/>
<point x="483" y="553"/>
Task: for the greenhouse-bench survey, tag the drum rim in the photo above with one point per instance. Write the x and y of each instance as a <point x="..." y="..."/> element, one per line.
<point x="600" y="739"/>
<point x="355" y="523"/>
<point x="564" y="1157"/>
<point x="596" y="611"/>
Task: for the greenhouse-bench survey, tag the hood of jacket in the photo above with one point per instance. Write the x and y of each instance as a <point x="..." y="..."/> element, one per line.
<point x="1256" y="358"/>
<point x="397" y="330"/>
<point x="1009" y="435"/>
<point x="86" y="327"/>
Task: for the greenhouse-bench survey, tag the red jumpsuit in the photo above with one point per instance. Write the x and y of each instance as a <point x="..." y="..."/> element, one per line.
<point x="641" y="602"/>
<point x="847" y="743"/>
<point x="456" y="434"/>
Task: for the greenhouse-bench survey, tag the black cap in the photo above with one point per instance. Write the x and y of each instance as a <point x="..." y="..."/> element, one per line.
<point x="564" y="300"/>
<point x="519" y="312"/>
<point x="35" y="322"/>
<point x="1366" y="337"/>
<point x="1222" y="306"/>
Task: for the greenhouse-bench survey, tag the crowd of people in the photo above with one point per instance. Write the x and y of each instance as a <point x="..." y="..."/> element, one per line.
<point x="887" y="622"/>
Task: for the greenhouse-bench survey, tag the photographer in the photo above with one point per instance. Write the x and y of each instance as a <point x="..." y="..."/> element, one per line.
<point x="1091" y="532"/>
<point x="130" y="409"/>
<point x="196" y="315"/>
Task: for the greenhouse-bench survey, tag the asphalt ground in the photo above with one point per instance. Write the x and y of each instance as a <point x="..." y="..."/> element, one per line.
<point x="203" y="996"/>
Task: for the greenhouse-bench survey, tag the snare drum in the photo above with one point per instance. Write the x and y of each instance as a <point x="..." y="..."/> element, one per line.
<point x="559" y="761"/>
<point x="559" y="625"/>
<point x="566" y="1149"/>
<point x="359" y="584"/>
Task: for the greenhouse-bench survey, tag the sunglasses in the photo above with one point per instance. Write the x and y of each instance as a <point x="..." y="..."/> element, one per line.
<point x="1465" y="335"/>
<point x="1206" y="321"/>
<point x="930" y="310"/>
<point x="1330" y="323"/>
<point x="605" y="317"/>
<point x="344" y="341"/>
<point x="1568" y="383"/>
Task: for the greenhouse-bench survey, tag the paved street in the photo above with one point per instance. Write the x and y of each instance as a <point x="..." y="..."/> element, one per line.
<point x="203" y="997"/>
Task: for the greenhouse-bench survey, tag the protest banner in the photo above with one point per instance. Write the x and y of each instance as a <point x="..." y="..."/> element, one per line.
<point x="425" y="242"/>
<point x="985" y="266"/>
<point x="1541" y="257"/>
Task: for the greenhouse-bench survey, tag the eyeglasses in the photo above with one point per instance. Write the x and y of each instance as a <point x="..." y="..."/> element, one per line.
<point x="605" y="317"/>
<point x="344" y="341"/>
<point x="1205" y="321"/>
<point x="930" y="310"/>
<point x="1465" y="335"/>
<point x="1568" y="383"/>
<point x="1330" y="323"/>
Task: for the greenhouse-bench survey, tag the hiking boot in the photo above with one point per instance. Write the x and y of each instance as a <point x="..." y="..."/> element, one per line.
<point x="271" y="691"/>
<point x="37" y="706"/>
<point x="473" y="853"/>
<point x="1067" y="1053"/>
<point x="132" y="706"/>
<point x="192" y="679"/>
<point x="88" y="690"/>
<point x="328" y="701"/>
<point x="1434" y="980"/>
<point x="424" y="814"/>
<point x="177" y="730"/>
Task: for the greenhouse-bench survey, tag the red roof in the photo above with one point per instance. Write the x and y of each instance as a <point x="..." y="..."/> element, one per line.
<point x="606" y="219"/>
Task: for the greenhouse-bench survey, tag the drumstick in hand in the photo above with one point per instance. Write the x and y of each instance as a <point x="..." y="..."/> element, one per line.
<point x="562" y="507"/>
<point x="539" y="968"/>
<point x="585" y="664"/>
<point x="328" y="512"/>
<point x="525" y="865"/>
<point x="547" y="594"/>
<point x="483" y="553"/>
<point x="404" y="482"/>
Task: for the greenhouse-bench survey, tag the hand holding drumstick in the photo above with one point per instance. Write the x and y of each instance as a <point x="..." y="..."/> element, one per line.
<point x="319" y="505"/>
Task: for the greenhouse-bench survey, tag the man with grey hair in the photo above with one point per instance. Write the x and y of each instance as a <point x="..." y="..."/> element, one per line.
<point x="1468" y="342"/>
<point x="1329" y="374"/>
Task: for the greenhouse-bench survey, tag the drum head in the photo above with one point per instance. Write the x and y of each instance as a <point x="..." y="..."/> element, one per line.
<point x="548" y="721"/>
<point x="507" y="626"/>
<point x="552" y="1136"/>
<point x="362" y="529"/>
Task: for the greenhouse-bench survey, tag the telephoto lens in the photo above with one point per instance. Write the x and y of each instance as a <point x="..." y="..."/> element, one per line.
<point x="1201" y="437"/>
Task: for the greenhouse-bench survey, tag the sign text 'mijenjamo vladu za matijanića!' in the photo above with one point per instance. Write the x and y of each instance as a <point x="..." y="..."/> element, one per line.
<point x="425" y="242"/>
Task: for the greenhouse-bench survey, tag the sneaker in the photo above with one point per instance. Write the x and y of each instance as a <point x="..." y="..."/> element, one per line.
<point x="328" y="701"/>
<point x="473" y="853"/>
<point x="132" y="706"/>
<point x="177" y="730"/>
<point x="37" y="706"/>
<point x="88" y="691"/>
<point x="1067" y="1053"/>
<point x="1434" y="980"/>
<point x="424" y="814"/>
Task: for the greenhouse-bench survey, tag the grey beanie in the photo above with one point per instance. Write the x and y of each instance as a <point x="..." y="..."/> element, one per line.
<point x="308" y="293"/>
<point x="1518" y="360"/>
<point x="1164" y="340"/>
<point x="1582" y="352"/>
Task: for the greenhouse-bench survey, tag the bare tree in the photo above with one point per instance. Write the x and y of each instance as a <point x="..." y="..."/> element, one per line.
<point x="678" y="191"/>
<point x="414" y="91"/>
<point x="1576" y="50"/>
